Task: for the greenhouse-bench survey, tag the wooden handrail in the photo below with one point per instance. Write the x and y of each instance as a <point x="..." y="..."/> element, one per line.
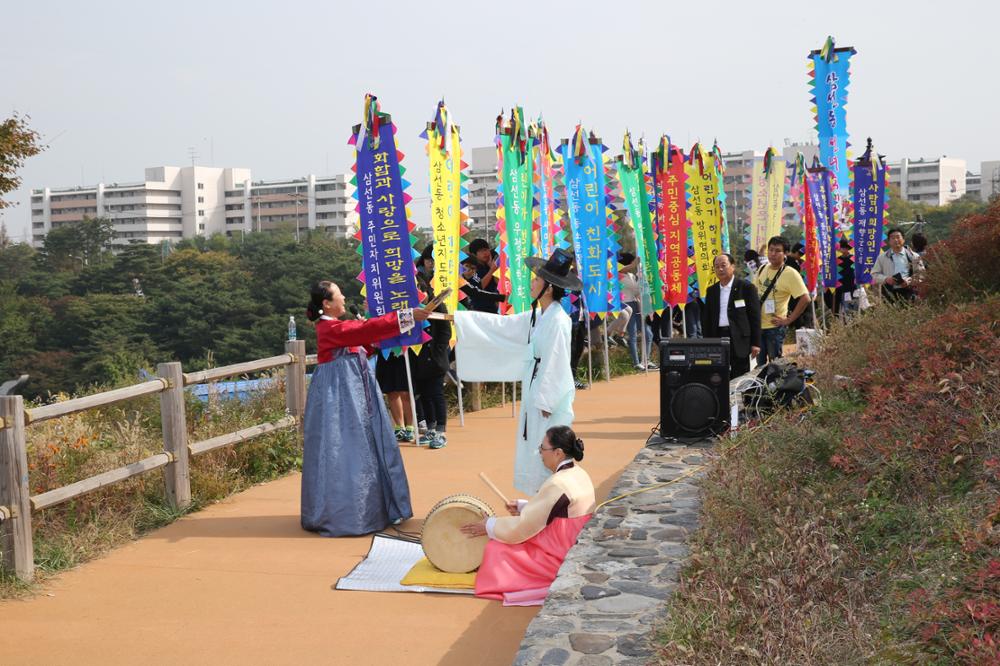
<point x="207" y="445"/>
<point x="238" y="369"/>
<point x="312" y="359"/>
<point x="56" y="409"/>
<point x="66" y="493"/>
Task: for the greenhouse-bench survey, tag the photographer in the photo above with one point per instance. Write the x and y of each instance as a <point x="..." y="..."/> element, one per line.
<point x="895" y="269"/>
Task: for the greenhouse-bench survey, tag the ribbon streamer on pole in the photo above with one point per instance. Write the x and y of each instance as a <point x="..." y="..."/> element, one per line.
<point x="514" y="214"/>
<point x="631" y="176"/>
<point x="669" y="178"/>
<point x="703" y="212"/>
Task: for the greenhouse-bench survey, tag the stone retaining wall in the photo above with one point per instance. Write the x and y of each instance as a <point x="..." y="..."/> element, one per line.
<point x="617" y="579"/>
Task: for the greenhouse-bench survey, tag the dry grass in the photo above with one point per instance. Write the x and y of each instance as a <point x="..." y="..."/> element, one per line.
<point x="868" y="530"/>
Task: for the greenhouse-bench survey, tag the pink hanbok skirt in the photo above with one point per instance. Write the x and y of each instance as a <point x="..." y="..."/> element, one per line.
<point x="520" y="573"/>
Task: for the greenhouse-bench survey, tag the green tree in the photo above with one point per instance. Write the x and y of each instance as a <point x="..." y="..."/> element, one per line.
<point x="71" y="247"/>
<point x="18" y="142"/>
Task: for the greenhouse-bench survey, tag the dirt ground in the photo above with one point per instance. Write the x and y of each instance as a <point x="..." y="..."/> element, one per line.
<point x="240" y="582"/>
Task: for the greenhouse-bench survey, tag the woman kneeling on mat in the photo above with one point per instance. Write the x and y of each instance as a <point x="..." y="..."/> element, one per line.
<point x="525" y="551"/>
<point x="353" y="480"/>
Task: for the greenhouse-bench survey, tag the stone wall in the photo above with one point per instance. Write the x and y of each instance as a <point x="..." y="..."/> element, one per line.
<point x="616" y="580"/>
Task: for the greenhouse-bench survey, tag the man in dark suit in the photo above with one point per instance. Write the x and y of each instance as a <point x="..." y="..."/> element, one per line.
<point x="738" y="319"/>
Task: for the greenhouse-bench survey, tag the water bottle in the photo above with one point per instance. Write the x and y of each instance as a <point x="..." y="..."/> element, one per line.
<point x="291" y="328"/>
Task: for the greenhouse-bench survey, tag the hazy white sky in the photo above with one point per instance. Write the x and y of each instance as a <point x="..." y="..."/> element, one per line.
<point x="115" y="87"/>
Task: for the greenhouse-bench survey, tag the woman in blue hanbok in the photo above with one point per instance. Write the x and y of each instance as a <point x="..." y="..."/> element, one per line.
<point x="530" y="347"/>
<point x="353" y="480"/>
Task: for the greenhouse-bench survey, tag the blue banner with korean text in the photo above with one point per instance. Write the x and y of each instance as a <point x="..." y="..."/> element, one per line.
<point x="869" y="214"/>
<point x="819" y="188"/>
<point x="585" y="202"/>
<point x="830" y="79"/>
<point x="387" y="255"/>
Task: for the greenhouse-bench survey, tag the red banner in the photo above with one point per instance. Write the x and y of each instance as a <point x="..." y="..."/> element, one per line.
<point x="672" y="227"/>
<point x="811" y="258"/>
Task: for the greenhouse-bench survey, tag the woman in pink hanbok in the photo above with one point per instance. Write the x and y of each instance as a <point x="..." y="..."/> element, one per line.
<point x="525" y="550"/>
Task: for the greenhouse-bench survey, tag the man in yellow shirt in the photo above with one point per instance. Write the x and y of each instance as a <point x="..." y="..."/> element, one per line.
<point x="776" y="284"/>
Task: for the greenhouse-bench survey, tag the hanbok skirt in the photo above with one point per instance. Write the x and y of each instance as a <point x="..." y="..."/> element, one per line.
<point x="521" y="573"/>
<point x="353" y="480"/>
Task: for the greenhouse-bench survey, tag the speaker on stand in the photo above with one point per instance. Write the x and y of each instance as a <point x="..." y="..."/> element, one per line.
<point x="694" y="388"/>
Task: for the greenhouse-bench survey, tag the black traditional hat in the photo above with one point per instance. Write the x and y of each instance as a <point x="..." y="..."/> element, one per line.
<point x="557" y="270"/>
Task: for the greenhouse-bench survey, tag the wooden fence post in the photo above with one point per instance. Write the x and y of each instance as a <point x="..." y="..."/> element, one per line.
<point x="16" y="547"/>
<point x="295" y="380"/>
<point x="476" y="396"/>
<point x="176" y="475"/>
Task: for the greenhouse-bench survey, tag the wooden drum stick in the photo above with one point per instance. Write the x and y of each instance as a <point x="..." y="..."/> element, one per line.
<point x="486" y="480"/>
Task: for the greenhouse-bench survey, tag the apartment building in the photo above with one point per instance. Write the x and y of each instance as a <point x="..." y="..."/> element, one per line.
<point x="295" y="205"/>
<point x="172" y="203"/>
<point x="935" y="182"/>
<point x="169" y="204"/>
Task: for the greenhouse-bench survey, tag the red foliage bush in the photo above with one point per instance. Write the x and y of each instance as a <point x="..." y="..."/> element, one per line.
<point x="966" y="264"/>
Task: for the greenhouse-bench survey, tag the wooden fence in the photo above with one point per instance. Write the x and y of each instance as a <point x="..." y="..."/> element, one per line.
<point x="16" y="502"/>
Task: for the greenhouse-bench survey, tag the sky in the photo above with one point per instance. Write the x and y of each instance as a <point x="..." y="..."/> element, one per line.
<point x="115" y="87"/>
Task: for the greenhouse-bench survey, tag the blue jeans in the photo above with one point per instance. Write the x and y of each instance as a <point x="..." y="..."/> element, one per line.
<point x="771" y="340"/>
<point x="692" y="315"/>
<point x="633" y="333"/>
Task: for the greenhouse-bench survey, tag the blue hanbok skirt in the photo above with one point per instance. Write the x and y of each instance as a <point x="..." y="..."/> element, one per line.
<point x="353" y="480"/>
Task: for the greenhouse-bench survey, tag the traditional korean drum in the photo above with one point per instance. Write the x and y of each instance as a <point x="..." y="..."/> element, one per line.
<point x="444" y="544"/>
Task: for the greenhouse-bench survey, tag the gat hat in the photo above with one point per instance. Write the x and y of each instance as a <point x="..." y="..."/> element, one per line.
<point x="558" y="270"/>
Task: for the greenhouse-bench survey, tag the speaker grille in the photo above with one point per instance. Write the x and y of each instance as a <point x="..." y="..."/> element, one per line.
<point x="694" y="407"/>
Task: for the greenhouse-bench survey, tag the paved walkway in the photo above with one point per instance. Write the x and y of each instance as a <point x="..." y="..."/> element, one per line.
<point x="241" y="583"/>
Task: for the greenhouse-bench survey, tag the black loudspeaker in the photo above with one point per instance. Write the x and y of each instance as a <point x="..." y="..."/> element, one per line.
<point x="694" y="387"/>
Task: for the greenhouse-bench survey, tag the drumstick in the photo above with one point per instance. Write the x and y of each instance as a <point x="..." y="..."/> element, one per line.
<point x="486" y="480"/>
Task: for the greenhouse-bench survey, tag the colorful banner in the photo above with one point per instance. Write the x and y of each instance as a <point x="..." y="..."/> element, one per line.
<point x="703" y="213"/>
<point x="585" y="203"/>
<point x="612" y="245"/>
<point x="774" y="171"/>
<point x="869" y="213"/>
<point x="671" y="215"/>
<point x="546" y="170"/>
<point x="758" y="205"/>
<point x="820" y="198"/>
<point x="633" y="183"/>
<point x="386" y="248"/>
<point x="448" y="206"/>
<point x="829" y="72"/>
<point x="720" y="181"/>
<point x="811" y="256"/>
<point x="514" y="214"/>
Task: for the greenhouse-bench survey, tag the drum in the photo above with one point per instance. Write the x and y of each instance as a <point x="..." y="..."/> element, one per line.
<point x="441" y="537"/>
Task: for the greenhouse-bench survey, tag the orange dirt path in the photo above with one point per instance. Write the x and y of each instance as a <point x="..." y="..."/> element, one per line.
<point x="240" y="582"/>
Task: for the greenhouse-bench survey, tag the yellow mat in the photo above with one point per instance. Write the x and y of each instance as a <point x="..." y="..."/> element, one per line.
<point x="426" y="574"/>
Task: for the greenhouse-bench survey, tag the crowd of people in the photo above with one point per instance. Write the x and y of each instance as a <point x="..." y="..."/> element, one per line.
<point x="353" y="478"/>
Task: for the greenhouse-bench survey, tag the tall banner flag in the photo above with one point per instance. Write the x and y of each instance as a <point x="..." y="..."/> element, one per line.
<point x="811" y="257"/>
<point x="797" y="187"/>
<point x="720" y="180"/>
<point x="448" y="206"/>
<point x="514" y="212"/>
<point x="585" y="203"/>
<point x="758" y="205"/>
<point x="703" y="212"/>
<point x="774" y="170"/>
<point x="819" y="190"/>
<point x="669" y="178"/>
<point x="829" y="72"/>
<point x="632" y="178"/>
<point x="612" y="246"/>
<point x="386" y="249"/>
<point x="546" y="170"/>
<point x="869" y="212"/>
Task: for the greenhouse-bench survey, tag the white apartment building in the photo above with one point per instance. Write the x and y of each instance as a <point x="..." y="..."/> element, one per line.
<point x="295" y="205"/>
<point x="482" y="185"/>
<point x="989" y="173"/>
<point x="183" y="202"/>
<point x="934" y="182"/>
<point x="170" y="204"/>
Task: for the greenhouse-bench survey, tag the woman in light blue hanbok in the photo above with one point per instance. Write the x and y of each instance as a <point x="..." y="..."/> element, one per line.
<point x="353" y="480"/>
<point x="530" y="347"/>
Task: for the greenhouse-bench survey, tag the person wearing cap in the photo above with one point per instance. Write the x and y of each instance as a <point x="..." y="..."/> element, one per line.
<point x="532" y="347"/>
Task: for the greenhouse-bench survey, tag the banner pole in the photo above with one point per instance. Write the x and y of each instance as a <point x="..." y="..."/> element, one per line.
<point x="461" y="407"/>
<point x="590" y="349"/>
<point x="413" y="400"/>
<point x="607" y="363"/>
